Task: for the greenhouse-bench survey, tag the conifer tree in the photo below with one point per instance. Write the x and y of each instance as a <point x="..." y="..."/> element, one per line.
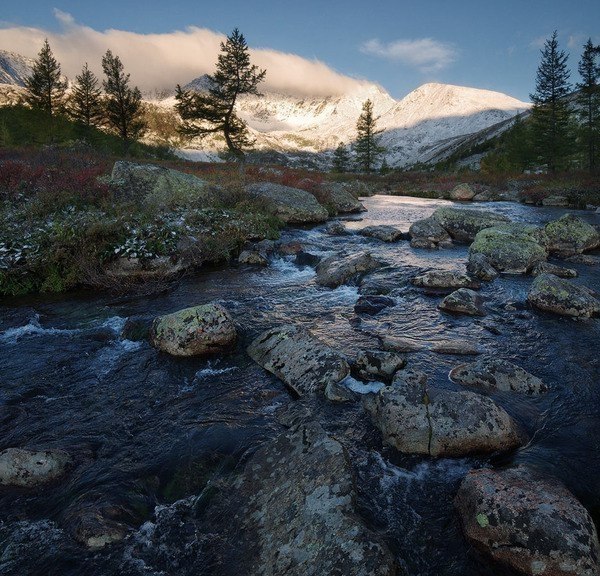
<point x="366" y="146"/>
<point x="45" y="87"/>
<point x="123" y="107"/>
<point x="550" y="115"/>
<point x="85" y="103"/>
<point x="588" y="100"/>
<point x="341" y="158"/>
<point x="214" y="111"/>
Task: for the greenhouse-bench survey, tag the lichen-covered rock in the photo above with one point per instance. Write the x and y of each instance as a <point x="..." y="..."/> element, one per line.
<point x="372" y="304"/>
<point x="197" y="331"/>
<point x="383" y="233"/>
<point x="512" y="248"/>
<point x="378" y="365"/>
<point x="336" y="228"/>
<point x="479" y="267"/>
<point x="20" y="467"/>
<point x="548" y="268"/>
<point x="337" y="196"/>
<point x="528" y="522"/>
<point x="253" y="258"/>
<point x="299" y="359"/>
<point x="555" y="200"/>
<point x="338" y="269"/>
<point x="292" y="205"/>
<point x="571" y="235"/>
<point x="463" y="224"/>
<point x="445" y="280"/>
<point x="553" y="294"/>
<point x="295" y="514"/>
<point x="416" y="418"/>
<point x="463" y="301"/>
<point x="400" y="344"/>
<point x="585" y="259"/>
<point x="462" y="192"/>
<point x="497" y="375"/>
<point x="428" y="233"/>
<point x="339" y="393"/>
<point x="91" y="525"/>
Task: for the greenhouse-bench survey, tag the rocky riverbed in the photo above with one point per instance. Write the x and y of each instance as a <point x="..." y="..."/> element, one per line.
<point x="351" y="403"/>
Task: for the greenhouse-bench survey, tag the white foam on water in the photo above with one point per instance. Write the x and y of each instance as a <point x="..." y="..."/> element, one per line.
<point x="210" y="371"/>
<point x="362" y="387"/>
<point x="33" y="328"/>
<point x="108" y="356"/>
<point x="291" y="271"/>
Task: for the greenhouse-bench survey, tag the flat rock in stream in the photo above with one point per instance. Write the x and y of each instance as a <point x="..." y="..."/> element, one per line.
<point x="463" y="224"/>
<point x="445" y="280"/>
<point x="417" y="418"/>
<point x="338" y="269"/>
<point x="295" y="511"/>
<point x="24" y="468"/>
<point x="553" y="294"/>
<point x="548" y="268"/>
<point x="530" y="523"/>
<point x="298" y="358"/>
<point x="372" y="305"/>
<point x="383" y="233"/>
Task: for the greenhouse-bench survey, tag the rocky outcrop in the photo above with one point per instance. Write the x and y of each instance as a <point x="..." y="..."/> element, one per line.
<point x="445" y="280"/>
<point x="295" y="514"/>
<point x="530" y="523"/>
<point x="496" y="375"/>
<point x="463" y="224"/>
<point x="383" y="233"/>
<point x="428" y="233"/>
<point x="23" y="468"/>
<point x="479" y="267"/>
<point x="337" y="196"/>
<point x="378" y="365"/>
<point x="555" y="200"/>
<point x="338" y="269"/>
<point x="253" y="258"/>
<point x="198" y="331"/>
<point x="299" y="359"/>
<point x="416" y="418"/>
<point x="463" y="301"/>
<point x="548" y="268"/>
<point x="462" y="192"/>
<point x="553" y="294"/>
<point x="511" y="248"/>
<point x="570" y="235"/>
<point x="292" y="205"/>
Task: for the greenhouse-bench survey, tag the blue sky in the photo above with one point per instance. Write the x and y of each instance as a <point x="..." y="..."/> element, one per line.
<point x="400" y="45"/>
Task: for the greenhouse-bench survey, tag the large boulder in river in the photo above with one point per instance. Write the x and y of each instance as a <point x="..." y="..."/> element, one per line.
<point x="554" y="294"/>
<point x="570" y="235"/>
<point x="416" y="418"/>
<point x="197" y="331"/>
<point x="339" y="269"/>
<point x="463" y="301"/>
<point x="294" y="512"/>
<point x="463" y="224"/>
<point x="292" y="205"/>
<point x="298" y="358"/>
<point x="158" y="186"/>
<point x="511" y="248"/>
<point x="528" y="522"/>
<point x="445" y="280"/>
<point x="336" y="196"/>
<point x="496" y="375"/>
<point x="462" y="192"/>
<point x="23" y="468"/>
<point x="428" y="233"/>
<point x="548" y="268"/>
<point x="383" y="233"/>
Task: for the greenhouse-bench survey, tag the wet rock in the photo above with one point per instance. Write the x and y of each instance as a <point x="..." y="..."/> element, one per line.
<point x="289" y="248"/>
<point x="585" y="259"/>
<point x="136" y="329"/>
<point x="417" y="418"/>
<point x="253" y="258"/>
<point x="292" y="205"/>
<point x="497" y="375"/>
<point x="555" y="201"/>
<point x="336" y="229"/>
<point x="479" y="267"/>
<point x="445" y="280"/>
<point x="528" y="522"/>
<point x="299" y="359"/>
<point x="295" y="511"/>
<point x="553" y="294"/>
<point x="378" y="365"/>
<point x="93" y="529"/>
<point x="338" y="269"/>
<point x="306" y="259"/>
<point x="399" y="344"/>
<point x="339" y="393"/>
<point x="337" y="196"/>
<point x="511" y="248"/>
<point x="462" y="192"/>
<point x="383" y="233"/>
<point x="373" y="304"/>
<point x="456" y="347"/>
<point x="570" y="235"/>
<point x="463" y="301"/>
<point x="20" y="467"/>
<point x="383" y="281"/>
<point x="428" y="233"/>
<point x="548" y="268"/>
<point x="198" y="331"/>
<point x="463" y="224"/>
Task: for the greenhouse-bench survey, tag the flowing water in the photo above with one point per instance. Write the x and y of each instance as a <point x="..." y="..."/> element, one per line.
<point x="148" y="431"/>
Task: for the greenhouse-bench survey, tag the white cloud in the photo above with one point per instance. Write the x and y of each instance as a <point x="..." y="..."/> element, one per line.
<point x="160" y="61"/>
<point x="425" y="54"/>
<point x="576" y="41"/>
<point x="539" y="42"/>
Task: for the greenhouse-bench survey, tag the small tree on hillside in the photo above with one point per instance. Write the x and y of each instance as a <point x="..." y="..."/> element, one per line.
<point x="366" y="146"/>
<point x="123" y="107"/>
<point x="85" y="102"/>
<point x="45" y="87"/>
<point x="341" y="158"/>
<point x="550" y="115"/>
<point x="214" y="111"/>
<point x="589" y="103"/>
